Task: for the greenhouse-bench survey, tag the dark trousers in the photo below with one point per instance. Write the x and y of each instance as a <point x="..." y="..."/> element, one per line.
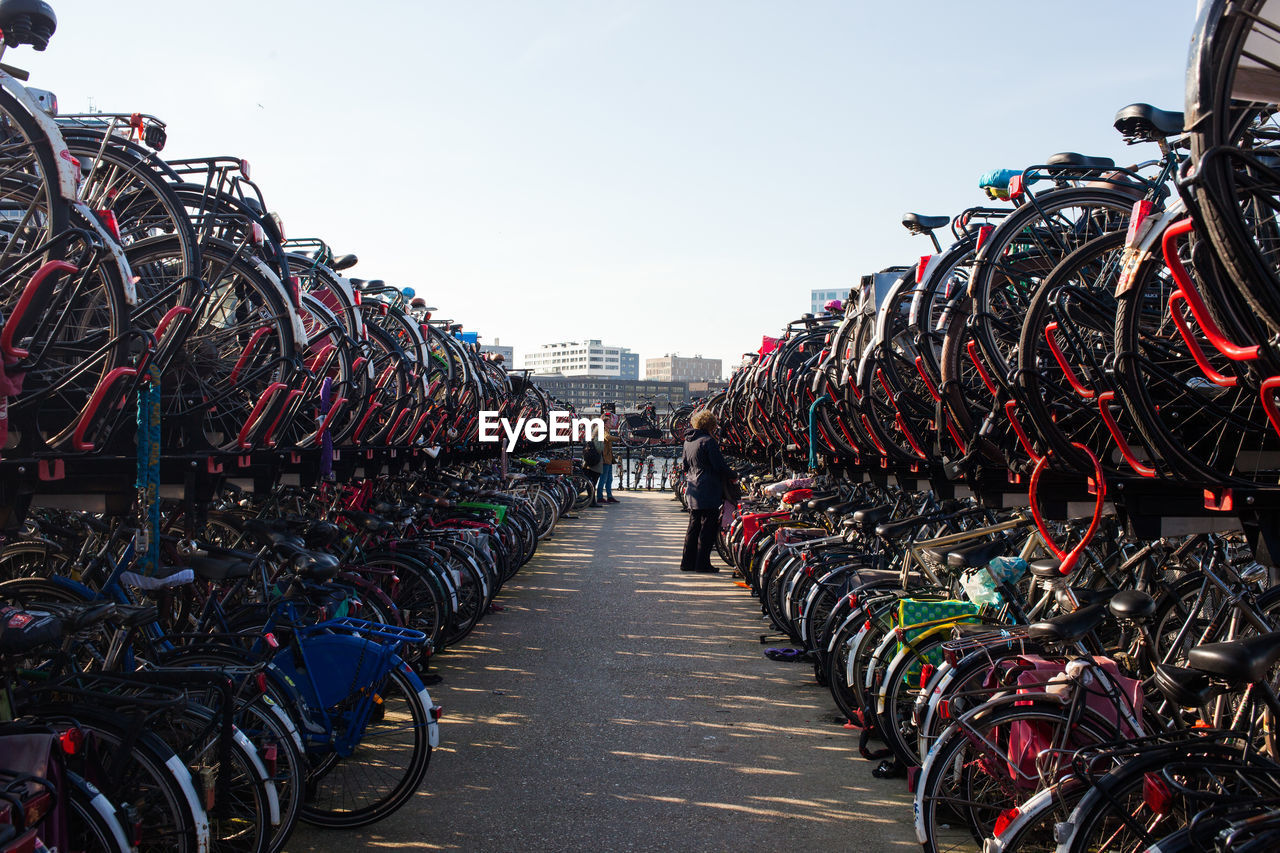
<point x="594" y="478"/>
<point x="700" y="540"/>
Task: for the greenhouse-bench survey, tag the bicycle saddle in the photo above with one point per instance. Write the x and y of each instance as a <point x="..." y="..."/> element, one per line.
<point x="219" y="568"/>
<point x="27" y="22"/>
<point x="1144" y="122"/>
<point x="1189" y="688"/>
<point x="266" y="532"/>
<point x="315" y="567"/>
<point x="1132" y="604"/>
<point x="321" y="534"/>
<point x="973" y="556"/>
<point x="136" y="615"/>
<point x="1074" y="161"/>
<point x="819" y="503"/>
<point x="387" y="510"/>
<point x="1069" y="627"/>
<point x="872" y="515"/>
<point x="897" y="529"/>
<point x="77" y="617"/>
<point x="366" y="521"/>
<point x="840" y="509"/>
<point x="1047" y="568"/>
<point x="1241" y="661"/>
<point x="918" y="224"/>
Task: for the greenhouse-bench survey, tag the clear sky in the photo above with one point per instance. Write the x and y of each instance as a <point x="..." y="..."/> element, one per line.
<point x="668" y="175"/>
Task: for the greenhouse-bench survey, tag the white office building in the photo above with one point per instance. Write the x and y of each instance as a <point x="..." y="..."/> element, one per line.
<point x="819" y="298"/>
<point x="587" y="357"/>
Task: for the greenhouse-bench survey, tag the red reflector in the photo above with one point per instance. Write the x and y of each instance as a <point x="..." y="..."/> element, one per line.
<point x="437" y="711"/>
<point x="270" y="755"/>
<point x="944" y="709"/>
<point x="71" y="741"/>
<point x="926" y="673"/>
<point x="983" y="233"/>
<point x="260" y="679"/>
<point x="109" y="222"/>
<point x="1015" y="190"/>
<point x="271" y="640"/>
<point x="1141" y="210"/>
<point x="1156" y="794"/>
<point x="921" y="267"/>
<point x="1006" y="817"/>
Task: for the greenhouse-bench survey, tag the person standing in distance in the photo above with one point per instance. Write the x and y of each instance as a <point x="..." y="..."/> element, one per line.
<point x="706" y="474"/>
<point x="604" y="491"/>
<point x="593" y="465"/>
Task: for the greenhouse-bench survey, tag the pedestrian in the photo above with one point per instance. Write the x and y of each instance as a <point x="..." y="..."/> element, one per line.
<point x="706" y="475"/>
<point x="592" y="465"/>
<point x="606" y="475"/>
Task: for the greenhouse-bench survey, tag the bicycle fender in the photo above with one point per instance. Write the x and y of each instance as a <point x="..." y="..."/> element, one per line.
<point x="433" y="727"/>
<point x="299" y="331"/>
<point x="182" y="774"/>
<point x="104" y="807"/>
<point x="68" y="177"/>
<point x="273" y="800"/>
<point x="113" y="246"/>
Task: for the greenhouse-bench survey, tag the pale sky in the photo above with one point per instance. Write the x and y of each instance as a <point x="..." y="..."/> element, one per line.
<point x="671" y="175"/>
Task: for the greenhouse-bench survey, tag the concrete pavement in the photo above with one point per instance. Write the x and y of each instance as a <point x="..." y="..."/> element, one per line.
<point x="618" y="704"/>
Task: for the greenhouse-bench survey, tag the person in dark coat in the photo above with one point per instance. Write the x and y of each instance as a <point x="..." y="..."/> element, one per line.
<point x="706" y="474"/>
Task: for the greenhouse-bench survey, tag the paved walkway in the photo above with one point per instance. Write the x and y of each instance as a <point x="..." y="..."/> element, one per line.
<point x="618" y="704"/>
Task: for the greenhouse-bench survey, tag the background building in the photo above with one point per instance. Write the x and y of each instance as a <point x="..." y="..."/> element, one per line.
<point x="588" y="393"/>
<point x="818" y="298"/>
<point x="675" y="368"/>
<point x="629" y="364"/>
<point x="507" y="353"/>
<point x="581" y="358"/>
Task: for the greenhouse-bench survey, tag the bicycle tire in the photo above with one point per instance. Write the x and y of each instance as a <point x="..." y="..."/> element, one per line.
<point x="92" y="825"/>
<point x="933" y="791"/>
<point x="333" y="778"/>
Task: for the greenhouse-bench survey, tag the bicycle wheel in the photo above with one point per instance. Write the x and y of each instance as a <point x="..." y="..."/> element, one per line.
<point x="270" y="729"/>
<point x="1232" y="89"/>
<point x="385" y="769"/>
<point x="1202" y="430"/>
<point x="420" y="596"/>
<point x="32" y="560"/>
<point x="137" y="768"/>
<point x="1119" y="813"/>
<point x="1074" y="311"/>
<point x="240" y="348"/>
<point x="1032" y="829"/>
<point x="976" y="770"/>
<point x="32" y="206"/>
<point x="471" y="601"/>
<point x="240" y="821"/>
<point x="1022" y="251"/>
<point x="71" y="325"/>
<point x="121" y="177"/>
<point x="92" y="825"/>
